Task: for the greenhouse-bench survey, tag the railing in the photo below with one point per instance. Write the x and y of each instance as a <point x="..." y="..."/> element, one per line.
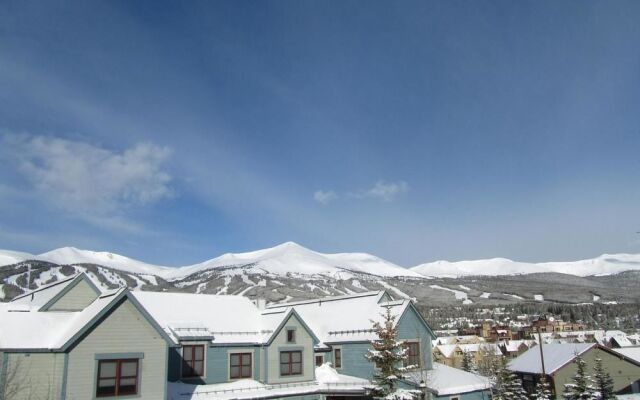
<point x="316" y="385"/>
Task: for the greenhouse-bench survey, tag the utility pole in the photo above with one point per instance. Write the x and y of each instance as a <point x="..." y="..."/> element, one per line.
<point x="541" y="352"/>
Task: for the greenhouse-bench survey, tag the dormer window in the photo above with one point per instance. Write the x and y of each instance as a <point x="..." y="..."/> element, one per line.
<point x="291" y="335"/>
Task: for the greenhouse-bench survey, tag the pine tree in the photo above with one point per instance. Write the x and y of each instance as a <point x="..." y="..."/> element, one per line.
<point x="582" y="386"/>
<point x="388" y="354"/>
<point x="603" y="382"/>
<point x="467" y="362"/>
<point x="507" y="385"/>
<point x="543" y="390"/>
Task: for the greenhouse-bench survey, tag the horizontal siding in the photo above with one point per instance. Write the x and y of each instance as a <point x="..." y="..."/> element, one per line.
<point x="410" y="327"/>
<point x="354" y="362"/>
<point x="125" y="330"/>
<point x="34" y="376"/>
<point x="304" y="340"/>
<point x="77" y="298"/>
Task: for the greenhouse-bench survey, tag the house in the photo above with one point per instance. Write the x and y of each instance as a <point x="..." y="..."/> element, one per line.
<point x="513" y="348"/>
<point x="452" y="355"/>
<point x="71" y="340"/>
<point x="560" y="367"/>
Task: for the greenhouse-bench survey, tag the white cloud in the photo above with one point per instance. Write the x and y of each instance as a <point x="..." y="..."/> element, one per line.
<point x="387" y="191"/>
<point x="92" y="182"/>
<point x="325" y="197"/>
<point x="382" y="190"/>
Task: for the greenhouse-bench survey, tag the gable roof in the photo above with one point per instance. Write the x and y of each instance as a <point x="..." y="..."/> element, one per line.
<point x="344" y="319"/>
<point x="23" y="330"/>
<point x="43" y="297"/>
<point x="556" y="355"/>
<point x="632" y="353"/>
<point x="443" y="380"/>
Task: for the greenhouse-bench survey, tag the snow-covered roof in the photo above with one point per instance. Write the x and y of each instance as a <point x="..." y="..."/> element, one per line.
<point x="328" y="380"/>
<point x="556" y="355"/>
<point x="230" y="319"/>
<point x="49" y="330"/>
<point x="514" y="345"/>
<point x="41" y="296"/>
<point x="444" y="380"/>
<point x="345" y="318"/>
<point x="632" y="353"/>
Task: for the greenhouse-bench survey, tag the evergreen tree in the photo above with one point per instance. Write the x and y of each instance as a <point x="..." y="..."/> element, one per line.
<point x="582" y="386"/>
<point x="388" y="354"/>
<point x="603" y="382"/>
<point x="507" y="385"/>
<point x="467" y="362"/>
<point x="543" y="390"/>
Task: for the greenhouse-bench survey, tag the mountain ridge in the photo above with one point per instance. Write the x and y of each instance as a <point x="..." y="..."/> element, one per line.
<point x="290" y="257"/>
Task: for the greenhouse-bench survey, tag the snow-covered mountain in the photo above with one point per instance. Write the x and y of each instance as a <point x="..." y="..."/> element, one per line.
<point x="285" y="259"/>
<point x="291" y="258"/>
<point x="606" y="264"/>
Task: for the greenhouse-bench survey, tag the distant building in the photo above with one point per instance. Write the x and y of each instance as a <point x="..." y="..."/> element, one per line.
<point x="560" y="367"/>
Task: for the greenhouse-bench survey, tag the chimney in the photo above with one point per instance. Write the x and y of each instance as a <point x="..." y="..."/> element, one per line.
<point x="260" y="303"/>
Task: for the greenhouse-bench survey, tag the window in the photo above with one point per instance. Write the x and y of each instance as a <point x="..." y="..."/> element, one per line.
<point x="240" y="365"/>
<point x="291" y="335"/>
<point x="413" y="354"/>
<point x="117" y="377"/>
<point x="319" y="360"/>
<point x="192" y="361"/>
<point x="290" y="363"/>
<point x="337" y="358"/>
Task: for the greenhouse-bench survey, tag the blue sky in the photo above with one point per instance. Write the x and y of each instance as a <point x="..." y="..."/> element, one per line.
<point x="173" y="132"/>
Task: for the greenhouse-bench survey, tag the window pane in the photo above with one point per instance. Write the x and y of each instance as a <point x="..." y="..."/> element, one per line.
<point x="319" y="360"/>
<point x="129" y="368"/>
<point x="107" y="390"/>
<point x="187" y="353"/>
<point x="246" y="372"/>
<point x="103" y="383"/>
<point x="284" y="369"/>
<point x="284" y="357"/>
<point x="108" y="369"/>
<point x="296" y="368"/>
<point x="235" y="372"/>
<point x="127" y="386"/>
<point x="199" y="350"/>
<point x="246" y="359"/>
<point x="235" y="360"/>
<point x="197" y="367"/>
<point x="296" y="356"/>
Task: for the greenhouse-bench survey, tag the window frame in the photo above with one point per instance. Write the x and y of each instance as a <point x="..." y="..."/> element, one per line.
<point x="118" y="377"/>
<point x="291" y="335"/>
<point x="316" y="357"/>
<point x="241" y="366"/>
<point x="337" y="350"/>
<point x="291" y="363"/>
<point x="407" y="362"/>
<point x="193" y="360"/>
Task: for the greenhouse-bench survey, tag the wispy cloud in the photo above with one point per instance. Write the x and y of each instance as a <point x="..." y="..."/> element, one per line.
<point x="386" y="191"/>
<point x="381" y="190"/>
<point x="325" y="197"/>
<point x="92" y="182"/>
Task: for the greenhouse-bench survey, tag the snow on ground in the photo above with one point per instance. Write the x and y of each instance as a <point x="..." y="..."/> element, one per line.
<point x="139" y="282"/>
<point x="2" y="292"/>
<point x="463" y="287"/>
<point x="45" y="277"/>
<point x="596" y="297"/>
<point x="538" y="297"/>
<point x="485" y="295"/>
<point x="515" y="296"/>
<point x="112" y="277"/>
<point x="396" y="290"/>
<point x="356" y="283"/>
<point x="459" y="295"/>
<point x="151" y="279"/>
